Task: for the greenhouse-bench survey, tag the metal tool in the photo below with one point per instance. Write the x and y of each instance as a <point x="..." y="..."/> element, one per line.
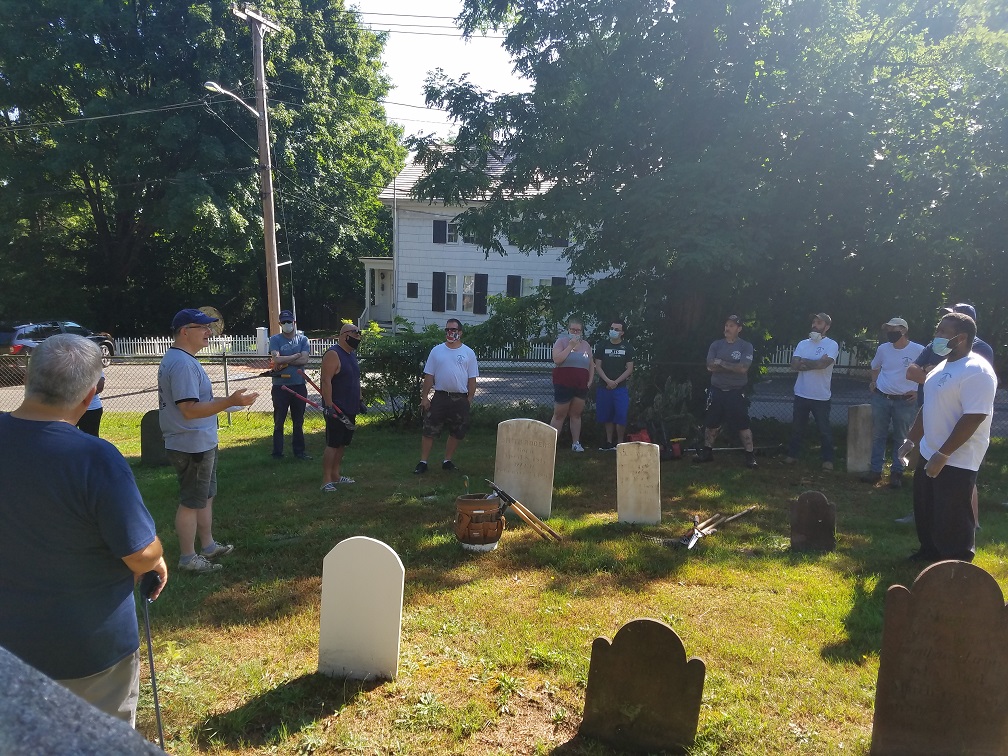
<point x="148" y="584"/>
<point x="541" y="528"/>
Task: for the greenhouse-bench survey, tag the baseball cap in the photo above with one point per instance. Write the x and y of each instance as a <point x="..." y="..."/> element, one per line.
<point x="824" y="318"/>
<point x="898" y="322"/>
<point x="189" y="317"/>
<point x="734" y="319"/>
<point x="965" y="309"/>
<point x="286" y="315"/>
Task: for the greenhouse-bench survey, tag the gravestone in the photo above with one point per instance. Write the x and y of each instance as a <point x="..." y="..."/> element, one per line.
<point x="38" y="716"/>
<point x="941" y="680"/>
<point x="813" y="523"/>
<point x="152" y="449"/>
<point x="859" y="438"/>
<point x="361" y="617"/>
<point x="526" y="453"/>
<point x="638" y="483"/>
<point x="642" y="693"/>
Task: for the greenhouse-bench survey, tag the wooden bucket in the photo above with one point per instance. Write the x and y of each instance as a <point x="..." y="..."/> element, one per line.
<point x="479" y="522"/>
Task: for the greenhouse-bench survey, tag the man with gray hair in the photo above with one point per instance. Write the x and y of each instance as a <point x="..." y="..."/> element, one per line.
<point x="74" y="536"/>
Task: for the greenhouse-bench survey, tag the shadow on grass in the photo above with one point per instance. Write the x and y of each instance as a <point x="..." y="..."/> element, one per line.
<point x="280" y="712"/>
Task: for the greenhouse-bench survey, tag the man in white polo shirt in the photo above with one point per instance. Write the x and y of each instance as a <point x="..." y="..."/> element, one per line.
<point x="813" y="360"/>
<point x="953" y="432"/>
<point x="893" y="399"/>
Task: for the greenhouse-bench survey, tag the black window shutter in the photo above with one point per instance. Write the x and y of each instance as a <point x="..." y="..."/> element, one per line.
<point x="514" y="286"/>
<point x="437" y="291"/>
<point x="440" y="235"/>
<point x="479" y="300"/>
<point x="558" y="281"/>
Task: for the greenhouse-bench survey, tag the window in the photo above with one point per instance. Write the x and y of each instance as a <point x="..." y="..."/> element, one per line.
<point x="529" y="285"/>
<point x="451" y="293"/>
<point x="412" y="291"/>
<point x="446" y="233"/>
<point x="445" y="293"/>
<point x="468" y="292"/>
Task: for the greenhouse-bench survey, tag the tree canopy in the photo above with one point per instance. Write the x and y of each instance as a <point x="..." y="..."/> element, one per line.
<point x="126" y="192"/>
<point x="755" y="157"/>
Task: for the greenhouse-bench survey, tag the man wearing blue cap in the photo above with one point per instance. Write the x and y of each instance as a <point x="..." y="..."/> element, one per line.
<point x="188" y="415"/>
<point x="289" y="350"/>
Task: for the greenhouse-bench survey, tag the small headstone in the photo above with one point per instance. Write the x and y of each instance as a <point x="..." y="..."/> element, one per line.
<point x="941" y="680"/>
<point x="40" y="716"/>
<point x="813" y="523"/>
<point x="526" y="453"/>
<point x="361" y="617"/>
<point x="638" y="483"/>
<point x="642" y="693"/>
<point x="152" y="449"/>
<point x="859" y="438"/>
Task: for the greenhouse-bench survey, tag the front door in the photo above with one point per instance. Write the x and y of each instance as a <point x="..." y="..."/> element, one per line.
<point x="381" y="296"/>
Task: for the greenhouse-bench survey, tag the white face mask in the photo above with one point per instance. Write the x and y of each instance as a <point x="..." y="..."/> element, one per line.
<point x="287" y="328"/>
<point x="815" y="337"/>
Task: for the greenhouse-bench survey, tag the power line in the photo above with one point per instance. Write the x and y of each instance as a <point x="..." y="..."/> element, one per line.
<point x="84" y="119"/>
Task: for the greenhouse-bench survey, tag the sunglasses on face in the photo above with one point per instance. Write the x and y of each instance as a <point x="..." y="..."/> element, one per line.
<point x="452" y="330"/>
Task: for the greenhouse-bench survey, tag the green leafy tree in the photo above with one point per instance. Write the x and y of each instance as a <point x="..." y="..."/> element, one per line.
<point x="143" y="196"/>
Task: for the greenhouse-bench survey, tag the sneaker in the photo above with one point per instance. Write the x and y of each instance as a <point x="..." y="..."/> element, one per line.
<point x="922" y="556"/>
<point x="896" y="481"/>
<point x="420" y="469"/>
<point x="576" y="447"/>
<point x="827" y="466"/>
<point x="789" y="460"/>
<point x="908" y="520"/>
<point x="750" y="461"/>
<point x="219" y="550"/>
<point x="329" y="488"/>
<point x="448" y="465"/>
<point x="705" y="454"/>
<point x="303" y="456"/>
<point x="199" y="563"/>
<point x="871" y="477"/>
<point x="345" y="479"/>
<point x="607" y="446"/>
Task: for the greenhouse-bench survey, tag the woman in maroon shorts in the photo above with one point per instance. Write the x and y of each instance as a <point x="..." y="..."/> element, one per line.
<point x="572" y="376"/>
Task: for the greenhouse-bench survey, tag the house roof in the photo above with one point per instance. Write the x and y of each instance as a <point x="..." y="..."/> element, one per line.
<point x="402" y="185"/>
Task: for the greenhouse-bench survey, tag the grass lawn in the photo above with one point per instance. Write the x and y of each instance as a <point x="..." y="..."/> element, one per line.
<point x="495" y="647"/>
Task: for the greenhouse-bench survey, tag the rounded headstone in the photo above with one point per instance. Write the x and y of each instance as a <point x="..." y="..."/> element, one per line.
<point x="152" y="448"/>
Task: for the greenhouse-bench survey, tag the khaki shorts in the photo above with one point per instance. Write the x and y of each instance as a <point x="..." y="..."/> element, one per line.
<point x="115" y="690"/>
<point x="197" y="476"/>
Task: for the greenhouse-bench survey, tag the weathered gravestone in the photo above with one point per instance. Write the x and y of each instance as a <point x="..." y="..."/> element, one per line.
<point x="638" y="483"/>
<point x="361" y="618"/>
<point x="642" y="693"/>
<point x="152" y="449"/>
<point x="944" y="666"/>
<point x="859" y="438"/>
<point x="813" y="523"/>
<point x="526" y="453"/>
<point x="39" y="717"/>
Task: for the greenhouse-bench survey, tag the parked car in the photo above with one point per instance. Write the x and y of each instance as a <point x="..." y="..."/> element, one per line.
<point x="18" y="341"/>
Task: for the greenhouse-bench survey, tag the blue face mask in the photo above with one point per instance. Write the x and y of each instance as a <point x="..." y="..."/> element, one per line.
<point x="614" y="334"/>
<point x="940" y="346"/>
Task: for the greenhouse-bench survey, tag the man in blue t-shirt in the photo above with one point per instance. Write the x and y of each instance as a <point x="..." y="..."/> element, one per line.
<point x="289" y="351"/>
<point x="74" y="536"/>
<point x="188" y="415"/>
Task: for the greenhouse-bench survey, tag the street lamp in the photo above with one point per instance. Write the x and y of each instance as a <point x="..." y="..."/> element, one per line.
<point x="266" y="186"/>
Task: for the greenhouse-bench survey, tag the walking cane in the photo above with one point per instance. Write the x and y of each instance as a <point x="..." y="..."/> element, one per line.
<point x="148" y="583"/>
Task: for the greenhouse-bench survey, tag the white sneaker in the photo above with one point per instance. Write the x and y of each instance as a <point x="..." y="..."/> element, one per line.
<point x="577" y="447"/>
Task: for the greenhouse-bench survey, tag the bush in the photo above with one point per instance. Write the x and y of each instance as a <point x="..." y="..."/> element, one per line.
<point x="392" y="368"/>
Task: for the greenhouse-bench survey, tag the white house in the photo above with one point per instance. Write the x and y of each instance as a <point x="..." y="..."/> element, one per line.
<point x="433" y="274"/>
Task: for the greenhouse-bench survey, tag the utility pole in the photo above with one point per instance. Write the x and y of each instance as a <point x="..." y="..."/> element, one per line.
<point x="259" y="26"/>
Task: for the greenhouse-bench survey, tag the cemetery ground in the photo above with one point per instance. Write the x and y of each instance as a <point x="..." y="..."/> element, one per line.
<point x="495" y="647"/>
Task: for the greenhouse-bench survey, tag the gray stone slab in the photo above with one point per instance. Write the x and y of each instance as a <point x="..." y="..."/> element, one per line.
<point x="152" y="448"/>
<point x="39" y="717"/>
<point x="638" y="483"/>
<point x="859" y="438"/>
<point x="943" y="673"/>
<point x="813" y="523"/>
<point x="523" y="466"/>
<point x="361" y="616"/>
<point x="642" y="693"/>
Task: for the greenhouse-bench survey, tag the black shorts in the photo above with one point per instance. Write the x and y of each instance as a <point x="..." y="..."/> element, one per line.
<point x="450" y="410"/>
<point x="564" y="394"/>
<point x="337" y="434"/>
<point x="727" y="406"/>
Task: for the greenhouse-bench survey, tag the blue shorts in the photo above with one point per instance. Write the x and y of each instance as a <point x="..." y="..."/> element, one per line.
<point x="612" y="405"/>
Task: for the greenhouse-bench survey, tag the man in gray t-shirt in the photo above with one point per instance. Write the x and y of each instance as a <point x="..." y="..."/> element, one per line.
<point x="188" y="415"/>
<point x="728" y="362"/>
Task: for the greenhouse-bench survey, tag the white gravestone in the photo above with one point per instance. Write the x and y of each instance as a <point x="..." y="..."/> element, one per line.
<point x="638" y="483"/>
<point x="526" y="453"/>
<point x="361" y="618"/>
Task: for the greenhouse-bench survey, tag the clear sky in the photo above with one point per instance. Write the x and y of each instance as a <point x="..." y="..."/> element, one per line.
<point x="422" y="37"/>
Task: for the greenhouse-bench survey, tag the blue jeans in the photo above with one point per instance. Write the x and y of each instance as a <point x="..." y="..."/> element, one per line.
<point x="282" y="402"/>
<point x="820" y="410"/>
<point x="900" y="414"/>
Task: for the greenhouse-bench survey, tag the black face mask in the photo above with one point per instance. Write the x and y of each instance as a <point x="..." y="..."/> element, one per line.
<point x="353" y="341"/>
<point x="894" y="336"/>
